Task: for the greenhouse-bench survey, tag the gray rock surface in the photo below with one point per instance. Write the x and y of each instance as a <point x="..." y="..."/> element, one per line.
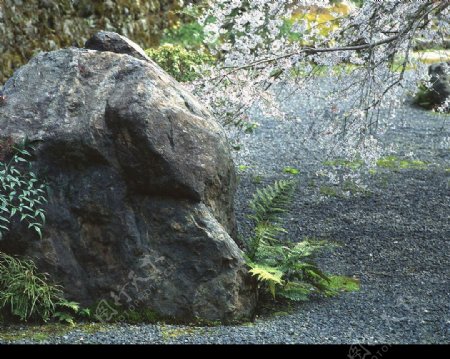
<point x="141" y="186"/>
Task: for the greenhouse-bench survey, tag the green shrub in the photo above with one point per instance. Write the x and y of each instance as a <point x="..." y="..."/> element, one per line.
<point x="27" y="294"/>
<point x="189" y="35"/>
<point x="424" y="97"/>
<point x="21" y="194"/>
<point x="182" y="64"/>
<point x="283" y="267"/>
<point x="187" y="31"/>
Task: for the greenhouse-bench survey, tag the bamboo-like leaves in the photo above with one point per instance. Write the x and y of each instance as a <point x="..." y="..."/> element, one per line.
<point x="21" y="194"/>
<point x="25" y="292"/>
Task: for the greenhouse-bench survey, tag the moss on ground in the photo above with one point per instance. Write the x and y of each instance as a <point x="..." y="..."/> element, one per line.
<point x="291" y="170"/>
<point x="142" y="316"/>
<point x="340" y="283"/>
<point x="395" y="163"/>
<point x="354" y="164"/>
<point x="257" y="179"/>
<point x="329" y="191"/>
<point x="169" y="332"/>
<point x="388" y="162"/>
<point x="39" y="333"/>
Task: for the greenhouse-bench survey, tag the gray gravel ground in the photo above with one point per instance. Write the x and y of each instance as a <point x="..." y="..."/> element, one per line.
<point x="395" y="238"/>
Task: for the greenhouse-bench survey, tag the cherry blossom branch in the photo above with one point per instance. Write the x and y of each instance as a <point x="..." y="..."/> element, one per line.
<point x="313" y="50"/>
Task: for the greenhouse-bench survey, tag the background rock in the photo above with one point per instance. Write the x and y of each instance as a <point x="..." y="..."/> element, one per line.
<point x="141" y="186"/>
<point x="113" y="42"/>
<point x="439" y="77"/>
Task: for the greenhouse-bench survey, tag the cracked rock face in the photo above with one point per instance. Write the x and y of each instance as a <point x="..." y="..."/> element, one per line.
<point x="141" y="185"/>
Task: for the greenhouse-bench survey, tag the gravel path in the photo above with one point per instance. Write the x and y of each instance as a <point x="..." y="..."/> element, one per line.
<point x="395" y="238"/>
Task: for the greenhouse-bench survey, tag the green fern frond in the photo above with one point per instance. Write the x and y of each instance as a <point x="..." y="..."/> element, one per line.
<point x="268" y="233"/>
<point x="65" y="318"/>
<point x="271" y="254"/>
<point x="316" y="277"/>
<point x="269" y="203"/>
<point x="74" y="306"/>
<point x="295" y="291"/>
<point x="264" y="234"/>
<point x="309" y="247"/>
<point x="269" y="276"/>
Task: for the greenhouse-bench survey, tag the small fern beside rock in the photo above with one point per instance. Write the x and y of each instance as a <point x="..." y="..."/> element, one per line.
<point x="284" y="268"/>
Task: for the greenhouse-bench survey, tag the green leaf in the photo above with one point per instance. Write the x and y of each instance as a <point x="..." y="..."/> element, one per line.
<point x="295" y="291"/>
<point x="243" y="167"/>
<point x="64" y="318"/>
<point x="41" y="214"/>
<point x="268" y="275"/>
<point x="38" y="230"/>
<point x="74" y="306"/>
<point x="13" y="211"/>
<point x="85" y="312"/>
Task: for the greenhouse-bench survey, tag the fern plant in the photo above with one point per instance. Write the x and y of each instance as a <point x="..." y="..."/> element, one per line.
<point x="282" y="267"/>
<point x="268" y="206"/>
<point x="21" y="194"/>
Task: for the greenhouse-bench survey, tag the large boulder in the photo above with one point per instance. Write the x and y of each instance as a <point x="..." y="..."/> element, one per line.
<point x="141" y="186"/>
